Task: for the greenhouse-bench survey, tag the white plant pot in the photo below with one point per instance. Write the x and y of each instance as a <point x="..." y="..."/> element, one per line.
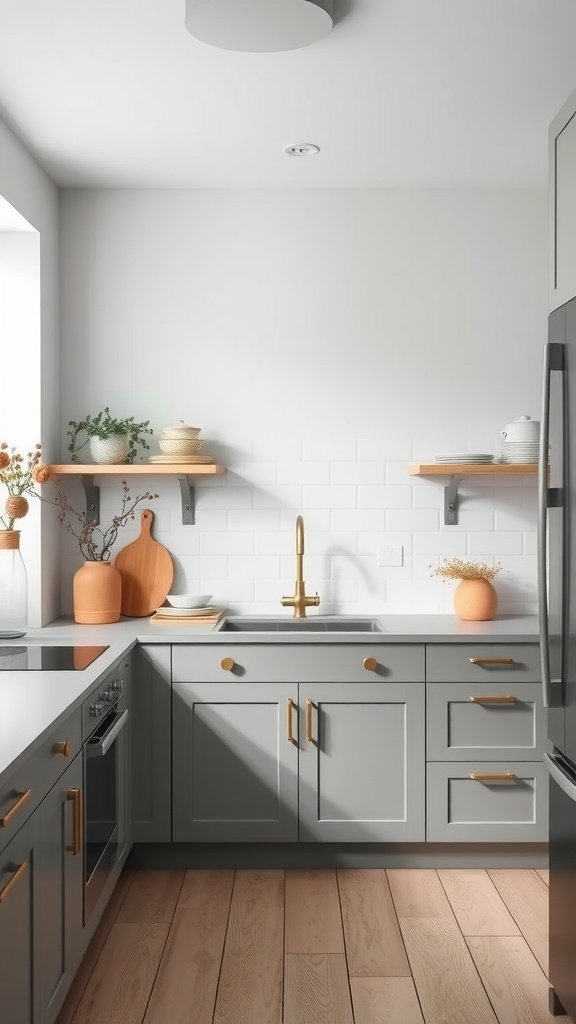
<point x="110" y="450"/>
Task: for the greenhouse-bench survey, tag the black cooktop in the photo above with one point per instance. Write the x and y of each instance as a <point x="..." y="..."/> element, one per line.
<point x="47" y="659"/>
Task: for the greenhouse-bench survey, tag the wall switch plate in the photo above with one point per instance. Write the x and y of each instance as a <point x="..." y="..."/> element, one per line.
<point x="389" y="554"/>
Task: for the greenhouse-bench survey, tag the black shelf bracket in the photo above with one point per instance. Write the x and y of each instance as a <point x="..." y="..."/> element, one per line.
<point x="452" y="500"/>
<point x="188" y="498"/>
<point x="92" y="492"/>
<point x="187" y="494"/>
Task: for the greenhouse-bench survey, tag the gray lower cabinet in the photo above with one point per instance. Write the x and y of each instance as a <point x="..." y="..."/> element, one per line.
<point x="235" y="768"/>
<point x="151" y="741"/>
<point x="494" y="721"/>
<point x="362" y="762"/>
<point x="17" y="876"/>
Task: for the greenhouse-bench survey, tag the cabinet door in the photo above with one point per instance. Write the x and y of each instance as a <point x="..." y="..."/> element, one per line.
<point x="59" y="889"/>
<point x="150" y="742"/>
<point x="563" y="205"/>
<point x="234" y="766"/>
<point x="17" y="874"/>
<point x="362" y="768"/>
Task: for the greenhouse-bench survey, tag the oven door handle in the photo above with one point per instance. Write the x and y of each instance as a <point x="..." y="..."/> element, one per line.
<point x="100" y="747"/>
<point x="566" y="783"/>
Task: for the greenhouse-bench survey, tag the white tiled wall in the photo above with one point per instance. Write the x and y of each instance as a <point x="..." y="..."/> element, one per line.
<point x="356" y="499"/>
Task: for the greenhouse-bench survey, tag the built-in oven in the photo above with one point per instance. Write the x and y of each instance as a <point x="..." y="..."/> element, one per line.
<point x="106" y="719"/>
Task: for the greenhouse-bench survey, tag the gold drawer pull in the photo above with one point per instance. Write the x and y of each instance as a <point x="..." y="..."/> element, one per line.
<point x="493" y="699"/>
<point x="12" y="881"/>
<point x="491" y="661"/>
<point x="492" y="776"/>
<point x="20" y="801"/>
<point x="370" y="664"/>
<point x="289" y="709"/>
<point x="76" y="796"/>
<point x="64" y="747"/>
<point x="309" y="707"/>
<point x="228" y="664"/>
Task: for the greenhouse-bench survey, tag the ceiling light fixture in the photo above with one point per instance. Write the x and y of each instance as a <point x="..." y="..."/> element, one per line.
<point x="259" y="26"/>
<point x="302" y="149"/>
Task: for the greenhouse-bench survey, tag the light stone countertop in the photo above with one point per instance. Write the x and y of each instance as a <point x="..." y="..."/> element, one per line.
<point x="33" y="703"/>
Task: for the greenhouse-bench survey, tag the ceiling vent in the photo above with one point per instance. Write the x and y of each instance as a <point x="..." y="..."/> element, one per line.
<point x="259" y="26"/>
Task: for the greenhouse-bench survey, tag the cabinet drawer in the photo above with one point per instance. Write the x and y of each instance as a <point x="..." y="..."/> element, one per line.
<point x="37" y="774"/>
<point x="496" y="720"/>
<point x="483" y="663"/>
<point x="461" y="809"/>
<point x="290" y="663"/>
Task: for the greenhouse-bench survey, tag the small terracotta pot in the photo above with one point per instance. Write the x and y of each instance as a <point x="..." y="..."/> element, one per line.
<point x="97" y="591"/>
<point x="475" y="600"/>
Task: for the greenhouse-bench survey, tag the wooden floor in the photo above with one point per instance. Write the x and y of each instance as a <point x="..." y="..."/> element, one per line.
<point x="318" y="947"/>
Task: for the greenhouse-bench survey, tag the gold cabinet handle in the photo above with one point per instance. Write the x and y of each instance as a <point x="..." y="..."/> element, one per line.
<point x="493" y="699"/>
<point x="228" y="664"/>
<point x="75" y="795"/>
<point x="370" y="664"/>
<point x="12" y="881"/>
<point x="20" y="801"/>
<point x="289" y="709"/>
<point x="492" y="776"/>
<point x="309" y="709"/>
<point x="491" y="661"/>
<point x="64" y="747"/>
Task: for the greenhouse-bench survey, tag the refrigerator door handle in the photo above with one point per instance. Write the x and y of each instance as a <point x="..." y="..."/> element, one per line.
<point x="553" y="360"/>
<point x="566" y="783"/>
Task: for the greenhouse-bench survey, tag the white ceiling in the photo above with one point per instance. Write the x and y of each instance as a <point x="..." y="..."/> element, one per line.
<point x="402" y="93"/>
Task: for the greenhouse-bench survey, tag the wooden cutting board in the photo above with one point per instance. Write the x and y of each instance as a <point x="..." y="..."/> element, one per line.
<point x="146" y="569"/>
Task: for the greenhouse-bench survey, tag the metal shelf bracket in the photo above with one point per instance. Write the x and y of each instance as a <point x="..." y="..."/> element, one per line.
<point x="92" y="492"/>
<point x="188" y="500"/>
<point x="452" y="500"/>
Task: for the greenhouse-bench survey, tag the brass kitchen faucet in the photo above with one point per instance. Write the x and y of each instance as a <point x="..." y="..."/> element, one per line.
<point x="300" y="601"/>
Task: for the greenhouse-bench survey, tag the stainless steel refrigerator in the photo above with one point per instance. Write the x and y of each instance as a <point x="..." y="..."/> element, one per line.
<point x="557" y="595"/>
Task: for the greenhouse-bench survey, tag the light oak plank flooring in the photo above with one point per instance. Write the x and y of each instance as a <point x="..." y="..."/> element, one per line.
<point x="318" y="947"/>
<point x="544" y="875"/>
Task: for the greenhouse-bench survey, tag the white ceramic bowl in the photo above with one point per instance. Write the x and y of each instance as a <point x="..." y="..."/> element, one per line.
<point x="180" y="431"/>
<point x="172" y="446"/>
<point x="188" y="600"/>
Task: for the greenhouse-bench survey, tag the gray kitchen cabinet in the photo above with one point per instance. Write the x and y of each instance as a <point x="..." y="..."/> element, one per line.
<point x="562" y="187"/>
<point x="18" y="869"/>
<point x="235" y="767"/>
<point x="496" y="721"/>
<point x="483" y="664"/>
<point x="151" y="741"/>
<point x="362" y="762"/>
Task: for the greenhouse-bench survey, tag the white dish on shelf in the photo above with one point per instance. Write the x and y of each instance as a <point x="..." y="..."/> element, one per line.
<point x="188" y="600"/>
<point x="166" y="611"/>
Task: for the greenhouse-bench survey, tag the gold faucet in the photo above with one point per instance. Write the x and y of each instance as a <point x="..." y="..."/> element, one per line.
<point x="300" y="601"/>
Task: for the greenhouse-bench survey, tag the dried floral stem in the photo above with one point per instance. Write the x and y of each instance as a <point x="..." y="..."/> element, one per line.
<point x="95" y="542"/>
<point x="457" y="569"/>
<point x="19" y="474"/>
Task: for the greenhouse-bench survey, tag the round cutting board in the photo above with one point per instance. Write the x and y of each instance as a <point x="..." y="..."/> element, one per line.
<point x="146" y="569"/>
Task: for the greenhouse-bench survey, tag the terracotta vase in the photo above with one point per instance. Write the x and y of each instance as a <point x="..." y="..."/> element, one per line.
<point x="97" y="591"/>
<point x="475" y="600"/>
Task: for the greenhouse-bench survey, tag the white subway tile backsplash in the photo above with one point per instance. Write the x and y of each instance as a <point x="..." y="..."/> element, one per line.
<point x="365" y="520"/>
<point x="304" y="473"/>
<point x="225" y="543"/>
<point x="496" y="543"/>
<point x="256" y="519"/>
<point x="224" y="498"/>
<point x="282" y="496"/>
<point x="384" y="497"/>
<point x="358" y="473"/>
<point x="320" y="450"/>
<point x="384" y="449"/>
<point x="412" y="519"/>
<point x="337" y="496"/>
<point x="254" y="567"/>
<point x="440" y="544"/>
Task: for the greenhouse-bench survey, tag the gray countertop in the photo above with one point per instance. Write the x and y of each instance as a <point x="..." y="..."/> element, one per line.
<point x="34" y="702"/>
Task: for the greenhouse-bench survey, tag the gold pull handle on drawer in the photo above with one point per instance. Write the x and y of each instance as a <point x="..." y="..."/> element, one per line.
<point x="492" y="776"/>
<point x="491" y="661"/>
<point x="12" y="881"/>
<point x="493" y="699"/>
<point x="75" y="795"/>
<point x="19" y="802"/>
<point x="64" y="747"/>
<point x="289" y="709"/>
<point x="309" y="709"/>
<point x="228" y="664"/>
<point x="370" y="664"/>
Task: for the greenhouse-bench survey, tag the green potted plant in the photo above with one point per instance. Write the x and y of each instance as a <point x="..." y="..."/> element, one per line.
<point x="112" y="441"/>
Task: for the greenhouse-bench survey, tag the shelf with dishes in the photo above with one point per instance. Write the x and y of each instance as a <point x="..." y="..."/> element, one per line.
<point x="457" y="471"/>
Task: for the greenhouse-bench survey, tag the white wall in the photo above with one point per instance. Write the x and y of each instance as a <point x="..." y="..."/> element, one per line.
<point x="321" y="339"/>
<point x="31" y="192"/>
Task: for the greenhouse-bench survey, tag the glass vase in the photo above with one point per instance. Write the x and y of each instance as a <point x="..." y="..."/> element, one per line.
<point x="13" y="587"/>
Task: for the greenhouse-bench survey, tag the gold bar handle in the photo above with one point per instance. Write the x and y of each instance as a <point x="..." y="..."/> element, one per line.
<point x="19" y="802"/>
<point x="492" y="776"/>
<point x="493" y="699"/>
<point x="491" y="661"/>
<point x="12" y="881"/>
<point x="309" y="707"/>
<point x="289" y="709"/>
<point x="75" y="795"/>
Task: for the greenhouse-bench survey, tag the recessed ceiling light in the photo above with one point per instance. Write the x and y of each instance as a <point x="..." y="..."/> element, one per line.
<point x="259" y="26"/>
<point x="302" y="149"/>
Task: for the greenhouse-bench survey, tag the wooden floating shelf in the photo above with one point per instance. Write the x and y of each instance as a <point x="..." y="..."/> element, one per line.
<point x="468" y="468"/>
<point x="184" y="471"/>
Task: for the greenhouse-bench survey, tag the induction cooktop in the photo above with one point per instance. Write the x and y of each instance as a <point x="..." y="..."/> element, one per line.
<point x="40" y="658"/>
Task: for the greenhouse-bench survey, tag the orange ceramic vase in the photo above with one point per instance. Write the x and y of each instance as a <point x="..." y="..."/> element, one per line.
<point x="475" y="600"/>
<point x="97" y="590"/>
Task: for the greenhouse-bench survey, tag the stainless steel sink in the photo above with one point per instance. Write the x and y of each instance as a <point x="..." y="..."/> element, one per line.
<point x="311" y="625"/>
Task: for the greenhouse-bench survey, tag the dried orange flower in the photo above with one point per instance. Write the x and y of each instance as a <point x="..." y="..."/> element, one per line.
<point x="4" y="460"/>
<point x="17" y="507"/>
<point x="42" y="474"/>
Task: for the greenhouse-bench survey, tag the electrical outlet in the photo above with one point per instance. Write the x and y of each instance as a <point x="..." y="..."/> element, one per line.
<point x="389" y="554"/>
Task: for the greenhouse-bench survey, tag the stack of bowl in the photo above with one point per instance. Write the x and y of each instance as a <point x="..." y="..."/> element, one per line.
<point x="180" y="444"/>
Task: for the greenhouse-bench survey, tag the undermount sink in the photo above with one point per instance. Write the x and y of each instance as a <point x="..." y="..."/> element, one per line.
<point x="311" y="625"/>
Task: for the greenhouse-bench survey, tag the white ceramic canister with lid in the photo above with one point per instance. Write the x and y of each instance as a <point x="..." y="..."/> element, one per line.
<point x="523" y="430"/>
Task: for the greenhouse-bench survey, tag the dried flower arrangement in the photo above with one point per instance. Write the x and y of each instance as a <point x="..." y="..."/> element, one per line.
<point x="19" y="474"/>
<point x="95" y="542"/>
<point x="457" y="569"/>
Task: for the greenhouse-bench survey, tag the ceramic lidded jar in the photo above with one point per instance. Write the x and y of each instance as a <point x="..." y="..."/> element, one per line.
<point x="523" y="430"/>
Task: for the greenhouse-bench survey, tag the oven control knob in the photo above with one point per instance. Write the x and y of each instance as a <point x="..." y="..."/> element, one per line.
<point x="117" y="686"/>
<point x="96" y="709"/>
<point x="108" y="696"/>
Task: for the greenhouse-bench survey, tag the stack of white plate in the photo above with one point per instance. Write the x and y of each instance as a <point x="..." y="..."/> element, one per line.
<point x="166" y="612"/>
<point x="472" y="458"/>
<point x="518" y="452"/>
